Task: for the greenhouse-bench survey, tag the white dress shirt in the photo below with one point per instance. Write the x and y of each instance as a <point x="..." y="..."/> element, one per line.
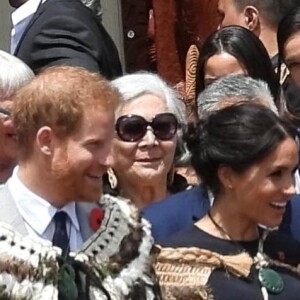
<point x="297" y="182"/>
<point x="38" y="213"/>
<point x="20" y="19"/>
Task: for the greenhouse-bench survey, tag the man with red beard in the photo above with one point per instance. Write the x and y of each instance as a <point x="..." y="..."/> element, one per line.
<point x="64" y="122"/>
<point x="13" y="75"/>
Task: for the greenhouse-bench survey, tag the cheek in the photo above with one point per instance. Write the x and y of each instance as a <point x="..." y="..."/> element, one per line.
<point x="123" y="152"/>
<point x="169" y="151"/>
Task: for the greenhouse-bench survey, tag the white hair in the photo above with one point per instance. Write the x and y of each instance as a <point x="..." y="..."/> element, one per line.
<point x="13" y="74"/>
<point x="134" y="85"/>
<point x="234" y="88"/>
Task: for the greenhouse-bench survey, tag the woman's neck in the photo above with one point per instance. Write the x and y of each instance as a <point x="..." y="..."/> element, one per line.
<point x="143" y="194"/>
<point x="228" y="223"/>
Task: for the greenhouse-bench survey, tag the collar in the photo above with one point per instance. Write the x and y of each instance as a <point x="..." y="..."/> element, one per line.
<point x="36" y="211"/>
<point x="24" y="11"/>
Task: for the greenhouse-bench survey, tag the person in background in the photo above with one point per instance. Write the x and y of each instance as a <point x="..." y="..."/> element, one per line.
<point x="262" y="17"/>
<point x="13" y="75"/>
<point x="288" y="38"/>
<point x="234" y="50"/>
<point x="54" y="32"/>
<point x="180" y="210"/>
<point x="259" y="16"/>
<point x="247" y="156"/>
<point x="148" y="145"/>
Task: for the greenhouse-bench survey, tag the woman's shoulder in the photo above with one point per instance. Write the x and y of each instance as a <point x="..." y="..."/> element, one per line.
<point x="283" y="248"/>
<point x="192" y="236"/>
<point x="186" y="237"/>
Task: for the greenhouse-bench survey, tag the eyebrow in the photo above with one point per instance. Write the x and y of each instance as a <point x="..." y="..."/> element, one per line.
<point x="4" y="111"/>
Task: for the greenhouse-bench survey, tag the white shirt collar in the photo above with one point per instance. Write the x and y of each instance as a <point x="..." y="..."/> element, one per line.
<point x="36" y="211"/>
<point x="25" y="10"/>
<point x="20" y="20"/>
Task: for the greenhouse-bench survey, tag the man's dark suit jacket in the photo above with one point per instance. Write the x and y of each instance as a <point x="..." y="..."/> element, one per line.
<point x="176" y="212"/>
<point x="67" y="32"/>
<point x="291" y="220"/>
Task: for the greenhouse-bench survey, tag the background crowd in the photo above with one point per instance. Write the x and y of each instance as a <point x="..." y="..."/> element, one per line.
<point x="137" y="202"/>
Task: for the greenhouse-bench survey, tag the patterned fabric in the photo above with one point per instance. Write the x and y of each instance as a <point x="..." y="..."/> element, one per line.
<point x="115" y="263"/>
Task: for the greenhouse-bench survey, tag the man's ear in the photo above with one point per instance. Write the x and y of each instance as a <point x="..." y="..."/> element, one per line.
<point x="251" y="14"/>
<point x="45" y="140"/>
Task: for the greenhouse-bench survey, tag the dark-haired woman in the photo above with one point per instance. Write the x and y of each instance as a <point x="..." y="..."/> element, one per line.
<point x="234" y="50"/>
<point x="247" y="157"/>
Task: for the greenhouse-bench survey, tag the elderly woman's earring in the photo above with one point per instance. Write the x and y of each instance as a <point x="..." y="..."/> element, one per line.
<point x="112" y="179"/>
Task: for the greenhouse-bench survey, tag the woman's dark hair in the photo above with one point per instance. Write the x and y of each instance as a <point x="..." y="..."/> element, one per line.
<point x="236" y="136"/>
<point x="246" y="47"/>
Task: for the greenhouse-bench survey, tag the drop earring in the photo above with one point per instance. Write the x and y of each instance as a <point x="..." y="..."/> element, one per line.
<point x="112" y="179"/>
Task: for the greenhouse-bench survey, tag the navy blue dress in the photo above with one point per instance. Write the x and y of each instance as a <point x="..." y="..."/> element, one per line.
<point x="229" y="287"/>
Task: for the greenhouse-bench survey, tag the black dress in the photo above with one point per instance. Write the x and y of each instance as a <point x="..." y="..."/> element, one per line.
<point x="229" y="287"/>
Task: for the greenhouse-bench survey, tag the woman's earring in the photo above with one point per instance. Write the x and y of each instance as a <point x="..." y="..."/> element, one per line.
<point x="112" y="179"/>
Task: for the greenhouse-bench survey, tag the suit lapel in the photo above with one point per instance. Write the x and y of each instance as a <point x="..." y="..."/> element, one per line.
<point x="9" y="213"/>
<point x="83" y="210"/>
<point x="41" y="9"/>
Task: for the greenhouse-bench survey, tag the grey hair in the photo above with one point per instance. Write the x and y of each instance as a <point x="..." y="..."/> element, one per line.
<point x="95" y="7"/>
<point x="235" y="88"/>
<point x="13" y="74"/>
<point x="134" y="85"/>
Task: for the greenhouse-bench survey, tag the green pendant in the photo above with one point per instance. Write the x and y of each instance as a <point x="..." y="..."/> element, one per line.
<point x="66" y="283"/>
<point x="271" y="280"/>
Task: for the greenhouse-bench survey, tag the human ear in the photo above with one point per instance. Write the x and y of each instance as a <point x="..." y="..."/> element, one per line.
<point x="45" y="140"/>
<point x="226" y="176"/>
<point x="251" y="18"/>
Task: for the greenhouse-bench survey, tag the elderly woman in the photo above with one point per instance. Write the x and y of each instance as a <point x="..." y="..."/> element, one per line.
<point x="247" y="156"/>
<point x="13" y="74"/>
<point x="148" y="143"/>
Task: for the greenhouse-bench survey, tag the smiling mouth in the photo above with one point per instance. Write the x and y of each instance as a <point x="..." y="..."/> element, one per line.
<point x="149" y="159"/>
<point x="11" y="135"/>
<point x="278" y="205"/>
<point x="94" y="176"/>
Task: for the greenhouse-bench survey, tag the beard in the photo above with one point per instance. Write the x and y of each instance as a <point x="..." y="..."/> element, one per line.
<point x="70" y="180"/>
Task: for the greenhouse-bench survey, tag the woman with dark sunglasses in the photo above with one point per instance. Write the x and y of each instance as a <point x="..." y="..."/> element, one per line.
<point x="148" y="144"/>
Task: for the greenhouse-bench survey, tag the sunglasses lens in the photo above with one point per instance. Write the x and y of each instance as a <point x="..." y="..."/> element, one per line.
<point x="165" y="126"/>
<point x="131" y="128"/>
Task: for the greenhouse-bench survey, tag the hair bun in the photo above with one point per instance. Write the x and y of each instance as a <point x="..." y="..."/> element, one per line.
<point x="193" y="134"/>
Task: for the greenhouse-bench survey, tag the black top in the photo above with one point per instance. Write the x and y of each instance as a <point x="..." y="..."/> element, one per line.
<point x="229" y="287"/>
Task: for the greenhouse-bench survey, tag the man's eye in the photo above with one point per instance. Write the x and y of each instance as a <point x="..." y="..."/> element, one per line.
<point x="276" y="173"/>
<point x="293" y="65"/>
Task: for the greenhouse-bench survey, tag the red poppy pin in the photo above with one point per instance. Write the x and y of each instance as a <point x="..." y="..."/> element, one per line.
<point x="96" y="217"/>
<point x="281" y="255"/>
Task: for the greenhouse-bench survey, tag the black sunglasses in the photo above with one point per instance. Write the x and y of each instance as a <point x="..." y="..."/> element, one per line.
<point x="4" y="112"/>
<point x="131" y="128"/>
